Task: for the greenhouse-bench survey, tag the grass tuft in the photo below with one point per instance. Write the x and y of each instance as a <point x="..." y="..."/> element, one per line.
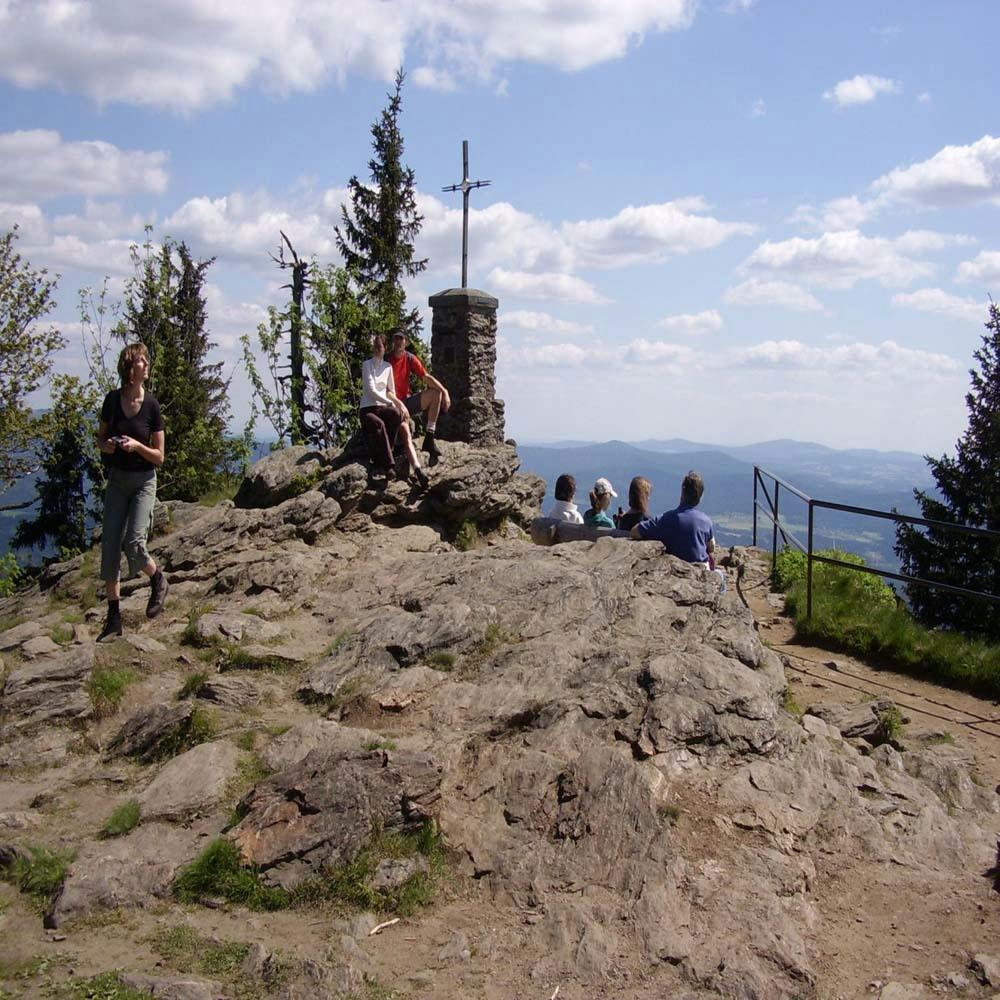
<point x="185" y="950"/>
<point x="107" y="686"/>
<point x="122" y="820"/>
<point x="892" y="723"/>
<point x="379" y="745"/>
<point x="190" y="636"/>
<point x="200" y="727"/>
<point x="857" y="613"/>
<point x="106" y="986"/>
<point x="441" y="659"/>
<point x="39" y="873"/>
<point x="217" y="871"/>
<point x="466" y="537"/>
<point x="192" y="685"/>
<point x="238" y="658"/>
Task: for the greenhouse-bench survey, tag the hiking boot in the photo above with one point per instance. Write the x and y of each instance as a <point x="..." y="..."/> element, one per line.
<point x="430" y="446"/>
<point x="421" y="477"/>
<point x="158" y="587"/>
<point x="112" y="627"/>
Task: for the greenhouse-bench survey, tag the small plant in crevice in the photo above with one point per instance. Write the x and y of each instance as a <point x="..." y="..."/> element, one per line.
<point x="191" y="636"/>
<point x="122" y="820"/>
<point x="440" y="659"/>
<point x="107" y="685"/>
<point x="892" y="722"/>
<point x="466" y="537"/>
<point x="38" y="872"/>
<point x="192" y="685"/>
<point x="381" y="744"/>
<point x="240" y="658"/>
<point x="668" y="812"/>
<point x="199" y="727"/>
<point x="790" y="705"/>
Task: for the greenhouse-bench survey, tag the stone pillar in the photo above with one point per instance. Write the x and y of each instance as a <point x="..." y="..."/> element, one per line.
<point x="463" y="358"/>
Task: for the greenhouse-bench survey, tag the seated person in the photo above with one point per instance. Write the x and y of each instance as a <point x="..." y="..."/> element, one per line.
<point x="600" y="501"/>
<point x="433" y="400"/>
<point x="564" y="508"/>
<point x="638" y="503"/>
<point x="685" y="531"/>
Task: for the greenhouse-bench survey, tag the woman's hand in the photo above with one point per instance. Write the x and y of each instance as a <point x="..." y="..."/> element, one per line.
<point x="126" y="443"/>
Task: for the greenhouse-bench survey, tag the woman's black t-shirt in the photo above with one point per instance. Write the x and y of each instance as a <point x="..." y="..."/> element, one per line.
<point x="142" y="427"/>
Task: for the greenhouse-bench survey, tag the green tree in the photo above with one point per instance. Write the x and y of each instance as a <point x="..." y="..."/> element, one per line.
<point x="165" y="308"/>
<point x="26" y="351"/>
<point x="378" y="232"/>
<point x="70" y="471"/>
<point x="968" y="485"/>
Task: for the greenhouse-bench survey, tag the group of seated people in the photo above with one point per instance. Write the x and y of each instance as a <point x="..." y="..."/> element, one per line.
<point x="684" y="531"/>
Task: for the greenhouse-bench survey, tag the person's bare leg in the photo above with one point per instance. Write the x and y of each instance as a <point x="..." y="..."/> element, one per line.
<point x="430" y="400"/>
<point x="411" y="453"/>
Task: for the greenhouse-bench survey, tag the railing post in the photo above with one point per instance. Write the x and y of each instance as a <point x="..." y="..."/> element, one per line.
<point x="809" y="566"/>
<point x="756" y="475"/>
<point x="774" y="529"/>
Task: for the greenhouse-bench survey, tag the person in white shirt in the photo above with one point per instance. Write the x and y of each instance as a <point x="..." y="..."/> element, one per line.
<point x="564" y="508"/>
<point x="383" y="416"/>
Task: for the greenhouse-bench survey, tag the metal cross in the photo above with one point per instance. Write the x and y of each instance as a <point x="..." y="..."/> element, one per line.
<point x="465" y="187"/>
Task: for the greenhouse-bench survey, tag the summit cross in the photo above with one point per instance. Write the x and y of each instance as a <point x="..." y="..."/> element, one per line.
<point x="465" y="187"/>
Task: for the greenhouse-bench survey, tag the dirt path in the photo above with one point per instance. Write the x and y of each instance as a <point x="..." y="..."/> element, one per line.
<point x="883" y="923"/>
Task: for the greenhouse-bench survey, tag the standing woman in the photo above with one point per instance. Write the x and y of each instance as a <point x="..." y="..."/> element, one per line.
<point x="383" y="415"/>
<point x="131" y="436"/>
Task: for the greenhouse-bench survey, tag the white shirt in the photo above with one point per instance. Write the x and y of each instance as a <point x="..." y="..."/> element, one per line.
<point x="566" y="511"/>
<point x="376" y="383"/>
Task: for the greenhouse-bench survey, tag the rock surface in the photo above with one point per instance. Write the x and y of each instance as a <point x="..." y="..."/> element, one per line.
<point x="192" y="783"/>
<point x="54" y="688"/>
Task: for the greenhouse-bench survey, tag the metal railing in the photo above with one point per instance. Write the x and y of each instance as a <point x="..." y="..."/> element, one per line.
<point x="771" y="511"/>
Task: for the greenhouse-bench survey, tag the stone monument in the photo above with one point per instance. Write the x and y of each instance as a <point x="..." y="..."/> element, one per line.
<point x="464" y="346"/>
<point x="464" y="357"/>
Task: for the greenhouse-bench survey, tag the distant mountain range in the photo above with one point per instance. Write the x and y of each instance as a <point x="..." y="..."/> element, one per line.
<point x="860" y="477"/>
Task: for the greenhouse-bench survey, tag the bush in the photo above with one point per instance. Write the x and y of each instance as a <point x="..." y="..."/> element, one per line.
<point x="11" y="575"/>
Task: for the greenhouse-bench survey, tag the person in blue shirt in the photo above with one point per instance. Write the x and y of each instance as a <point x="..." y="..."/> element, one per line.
<point x="685" y="531"/>
<point x="600" y="501"/>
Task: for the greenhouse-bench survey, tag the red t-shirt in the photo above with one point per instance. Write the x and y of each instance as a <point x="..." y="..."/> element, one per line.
<point x="402" y="368"/>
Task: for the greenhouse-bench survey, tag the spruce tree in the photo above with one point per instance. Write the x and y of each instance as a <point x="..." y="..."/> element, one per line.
<point x="165" y="309"/>
<point x="378" y="232"/>
<point x="70" y="471"/>
<point x="968" y="485"/>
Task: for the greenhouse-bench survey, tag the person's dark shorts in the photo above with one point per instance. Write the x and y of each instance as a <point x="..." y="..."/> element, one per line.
<point x="412" y="404"/>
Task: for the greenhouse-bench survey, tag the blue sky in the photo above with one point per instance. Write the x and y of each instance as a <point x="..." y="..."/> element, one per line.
<point x="727" y="221"/>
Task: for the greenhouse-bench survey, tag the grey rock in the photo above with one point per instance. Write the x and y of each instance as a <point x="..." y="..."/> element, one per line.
<point x="456" y="950"/>
<point x="151" y="730"/>
<point x="280" y="476"/>
<point x="322" y="810"/>
<point x="175" y="987"/>
<point x="902" y="991"/>
<point x="40" y="645"/>
<point x="144" y="643"/>
<point x="230" y="692"/>
<point x="392" y="873"/>
<point x="986" y="969"/>
<point x="13" y="637"/>
<point x="134" y="872"/>
<point x="21" y="820"/>
<point x="53" y="689"/>
<point x="861" y="720"/>
<point x="234" y="628"/>
<point x="817" y="727"/>
<point x="294" y="745"/>
<point x="957" y="981"/>
<point x="193" y="783"/>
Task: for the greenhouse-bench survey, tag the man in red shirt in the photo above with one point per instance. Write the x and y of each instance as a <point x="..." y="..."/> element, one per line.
<point x="433" y="399"/>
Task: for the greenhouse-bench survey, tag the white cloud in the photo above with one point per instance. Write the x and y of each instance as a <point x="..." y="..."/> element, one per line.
<point x="542" y="322"/>
<point x="656" y="352"/>
<point x="432" y="78"/>
<point x="38" y="164"/>
<point x="648" y="233"/>
<point x="759" y="108"/>
<point x="549" y="356"/>
<point x="839" y="213"/>
<point x="693" y="324"/>
<point x="955" y="175"/>
<point x="924" y="97"/>
<point x="842" y="259"/>
<point x="245" y="227"/>
<point x="736" y="6"/>
<point x="858" y="358"/>
<point x="551" y="287"/>
<point x="755" y="292"/>
<point x="861" y="89"/>
<point x="983" y="269"/>
<point x="935" y="300"/>
<point x="192" y="55"/>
